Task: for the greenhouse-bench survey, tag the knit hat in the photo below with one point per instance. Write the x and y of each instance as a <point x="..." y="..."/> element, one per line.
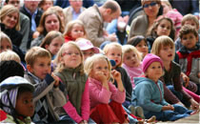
<point x="148" y="59"/>
<point x="85" y="44"/>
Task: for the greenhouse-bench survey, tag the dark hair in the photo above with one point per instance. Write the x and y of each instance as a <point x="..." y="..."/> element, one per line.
<point x="10" y="68"/>
<point x="136" y="40"/>
<point x="186" y="29"/>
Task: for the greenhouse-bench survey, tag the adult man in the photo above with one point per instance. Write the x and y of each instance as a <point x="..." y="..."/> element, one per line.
<point x="30" y="9"/>
<point x="94" y="17"/>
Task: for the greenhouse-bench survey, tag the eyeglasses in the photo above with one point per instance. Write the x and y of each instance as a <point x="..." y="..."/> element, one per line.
<point x="151" y="4"/>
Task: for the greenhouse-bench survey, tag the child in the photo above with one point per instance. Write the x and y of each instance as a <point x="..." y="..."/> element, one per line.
<point x="47" y="95"/>
<point x="86" y="47"/>
<point x="45" y="4"/>
<point x="189" y="54"/>
<point x="52" y="42"/>
<point x="17" y="100"/>
<point x="132" y="62"/>
<point x="162" y="26"/>
<point x="149" y="92"/>
<point x="114" y="51"/>
<point x="165" y="49"/>
<point x="106" y="100"/>
<point x="188" y="19"/>
<point x="140" y="43"/>
<point x="74" y="29"/>
<point x="9" y="55"/>
<point x="69" y="69"/>
<point x="5" y="42"/>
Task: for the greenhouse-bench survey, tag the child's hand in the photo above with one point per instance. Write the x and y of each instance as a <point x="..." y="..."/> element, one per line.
<point x="101" y="77"/>
<point x="116" y="75"/>
<point x="194" y="104"/>
<point x="168" y="107"/>
<point x="185" y="78"/>
<point x="198" y="75"/>
<point x="56" y="82"/>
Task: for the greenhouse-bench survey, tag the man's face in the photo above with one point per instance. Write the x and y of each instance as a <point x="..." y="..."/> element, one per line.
<point x="15" y="3"/>
<point x="109" y="16"/>
<point x="31" y="5"/>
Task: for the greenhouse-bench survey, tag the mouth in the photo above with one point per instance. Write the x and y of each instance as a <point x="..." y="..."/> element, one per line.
<point x="170" y="55"/>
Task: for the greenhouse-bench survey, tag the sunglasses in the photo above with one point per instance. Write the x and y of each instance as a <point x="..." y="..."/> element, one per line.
<point x="151" y="4"/>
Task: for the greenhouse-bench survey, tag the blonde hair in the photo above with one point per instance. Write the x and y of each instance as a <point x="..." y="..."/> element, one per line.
<point x="4" y="37"/>
<point x="190" y="17"/>
<point x="160" y="42"/>
<point x="34" y="53"/>
<point x="110" y="45"/>
<point x="129" y="48"/>
<point x="58" y="59"/>
<point x="89" y="63"/>
<point x="9" y="9"/>
<point x="167" y="3"/>
<point x="9" y="55"/>
<point x="70" y="26"/>
<point x="41" y="28"/>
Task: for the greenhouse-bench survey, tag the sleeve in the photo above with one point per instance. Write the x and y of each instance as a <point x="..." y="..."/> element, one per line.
<point x="143" y="93"/>
<point x="195" y="70"/>
<point x="101" y="95"/>
<point x="117" y="95"/>
<point x="59" y="98"/>
<point x="169" y="96"/>
<point x="128" y="86"/>
<point x="85" y="103"/>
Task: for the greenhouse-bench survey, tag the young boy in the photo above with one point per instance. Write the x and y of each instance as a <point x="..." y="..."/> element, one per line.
<point x="189" y="54"/>
<point x="16" y="100"/>
<point x="188" y="19"/>
<point x="47" y="94"/>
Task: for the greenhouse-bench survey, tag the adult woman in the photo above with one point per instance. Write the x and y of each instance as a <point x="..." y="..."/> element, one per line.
<point x="142" y="23"/>
<point x="10" y="23"/>
<point x="50" y="21"/>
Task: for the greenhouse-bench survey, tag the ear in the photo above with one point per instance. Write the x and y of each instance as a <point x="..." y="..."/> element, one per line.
<point x="108" y="11"/>
<point x="29" y="68"/>
<point x="46" y="46"/>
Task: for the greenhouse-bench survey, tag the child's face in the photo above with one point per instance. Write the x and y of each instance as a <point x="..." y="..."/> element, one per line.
<point x="88" y="53"/>
<point x="52" y="23"/>
<point x="100" y="70"/>
<point x="47" y="4"/>
<point x="10" y="20"/>
<point x="142" y="47"/>
<point x="71" y="57"/>
<point x="55" y="45"/>
<point x="5" y="45"/>
<point x="154" y="71"/>
<point x="77" y="31"/>
<point x="41" y="67"/>
<point x="15" y="3"/>
<point x="166" y="8"/>
<point x="131" y="59"/>
<point x="189" y="40"/>
<point x="164" y="28"/>
<point x="24" y="104"/>
<point x="167" y="53"/>
<point x="192" y="23"/>
<point x="115" y="53"/>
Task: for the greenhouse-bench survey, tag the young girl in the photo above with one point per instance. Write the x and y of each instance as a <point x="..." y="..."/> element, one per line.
<point x="74" y="29"/>
<point x="87" y="47"/>
<point x="140" y="43"/>
<point x="164" y="47"/>
<point x="132" y="62"/>
<point x="52" y="42"/>
<point x="69" y="69"/>
<point x="148" y="92"/>
<point x="162" y="26"/>
<point x="45" y="4"/>
<point x="17" y="100"/>
<point x="5" y="42"/>
<point x="106" y="100"/>
<point x="114" y="51"/>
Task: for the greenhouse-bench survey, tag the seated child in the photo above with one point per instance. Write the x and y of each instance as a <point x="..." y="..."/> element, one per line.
<point x="9" y="55"/>
<point x="5" y="42"/>
<point x="47" y="95"/>
<point x="149" y="92"/>
<point x="87" y="47"/>
<point x="106" y="100"/>
<point x="189" y="54"/>
<point x="17" y="100"/>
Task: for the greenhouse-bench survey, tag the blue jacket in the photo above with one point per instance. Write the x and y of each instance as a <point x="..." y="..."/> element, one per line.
<point x="148" y="94"/>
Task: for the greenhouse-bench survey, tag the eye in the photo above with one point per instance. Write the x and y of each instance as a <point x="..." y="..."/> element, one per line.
<point x="159" y="66"/>
<point x="128" y="58"/>
<point x="118" y="54"/>
<point x="25" y="101"/>
<point x="77" y="54"/>
<point x="42" y="65"/>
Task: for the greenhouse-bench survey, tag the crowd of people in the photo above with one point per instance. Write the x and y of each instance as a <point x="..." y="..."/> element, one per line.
<point x="79" y="61"/>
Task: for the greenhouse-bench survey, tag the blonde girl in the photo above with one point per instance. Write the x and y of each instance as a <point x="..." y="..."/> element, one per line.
<point x="5" y="42"/>
<point x="52" y="42"/>
<point x="164" y="48"/>
<point x="74" y="29"/>
<point x="132" y="62"/>
<point x="105" y="99"/>
<point x="9" y="55"/>
<point x="114" y="51"/>
<point x="69" y="69"/>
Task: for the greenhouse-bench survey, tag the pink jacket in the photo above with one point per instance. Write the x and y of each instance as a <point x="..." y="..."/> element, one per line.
<point x="85" y="107"/>
<point x="99" y="94"/>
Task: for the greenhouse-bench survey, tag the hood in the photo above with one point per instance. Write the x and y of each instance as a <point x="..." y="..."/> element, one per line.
<point x="138" y="80"/>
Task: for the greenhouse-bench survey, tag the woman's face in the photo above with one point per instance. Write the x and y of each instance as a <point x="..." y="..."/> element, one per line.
<point x="151" y="8"/>
<point x="11" y="20"/>
<point x="52" y="23"/>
